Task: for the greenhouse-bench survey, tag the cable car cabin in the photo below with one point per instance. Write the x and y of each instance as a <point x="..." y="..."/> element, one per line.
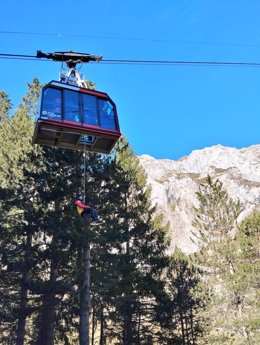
<point x="76" y="118"/>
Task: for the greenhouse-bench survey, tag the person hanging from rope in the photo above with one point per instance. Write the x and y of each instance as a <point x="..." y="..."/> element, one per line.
<point x="85" y="210"/>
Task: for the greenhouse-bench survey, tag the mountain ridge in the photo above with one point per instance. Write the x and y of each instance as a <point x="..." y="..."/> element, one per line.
<point x="175" y="183"/>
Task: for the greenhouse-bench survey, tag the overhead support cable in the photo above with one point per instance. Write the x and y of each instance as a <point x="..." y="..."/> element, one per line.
<point x="95" y="59"/>
<point x="125" y="38"/>
<point x="178" y="62"/>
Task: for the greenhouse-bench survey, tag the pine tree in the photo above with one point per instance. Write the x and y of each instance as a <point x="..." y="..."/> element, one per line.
<point x="131" y="251"/>
<point x="37" y="186"/>
<point x="181" y="326"/>
<point x="15" y="148"/>
<point x="5" y="105"/>
<point x="224" y="283"/>
<point x="246" y="282"/>
<point x="217" y="213"/>
<point x="15" y="139"/>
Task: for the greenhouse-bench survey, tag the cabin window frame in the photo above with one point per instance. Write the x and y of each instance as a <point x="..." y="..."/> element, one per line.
<point x="77" y="110"/>
<point x="51" y="114"/>
<point x="80" y="96"/>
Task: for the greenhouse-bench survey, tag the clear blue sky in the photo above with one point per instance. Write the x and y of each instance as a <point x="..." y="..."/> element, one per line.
<point x="165" y="111"/>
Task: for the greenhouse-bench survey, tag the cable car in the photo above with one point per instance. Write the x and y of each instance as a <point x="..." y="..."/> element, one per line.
<point x="76" y="118"/>
<point x="72" y="116"/>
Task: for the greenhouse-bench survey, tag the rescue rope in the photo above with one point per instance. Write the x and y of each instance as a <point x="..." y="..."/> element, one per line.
<point x="84" y="184"/>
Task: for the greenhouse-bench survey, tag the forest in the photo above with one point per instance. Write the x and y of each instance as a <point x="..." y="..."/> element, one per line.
<point x="141" y="293"/>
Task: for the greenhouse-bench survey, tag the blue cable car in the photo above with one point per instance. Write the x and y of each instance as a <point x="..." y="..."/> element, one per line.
<point x="78" y="118"/>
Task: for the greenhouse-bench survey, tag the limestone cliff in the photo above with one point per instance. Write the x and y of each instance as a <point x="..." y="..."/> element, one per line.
<point x="174" y="184"/>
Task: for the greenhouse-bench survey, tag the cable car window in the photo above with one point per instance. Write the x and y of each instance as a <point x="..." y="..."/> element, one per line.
<point x="51" y="104"/>
<point x="71" y="106"/>
<point x="90" y="115"/>
<point x="107" y="115"/>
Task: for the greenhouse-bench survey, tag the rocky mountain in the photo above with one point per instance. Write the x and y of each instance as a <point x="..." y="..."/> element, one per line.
<point x="174" y="184"/>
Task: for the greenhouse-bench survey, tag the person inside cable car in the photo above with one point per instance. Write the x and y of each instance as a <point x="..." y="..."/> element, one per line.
<point x="51" y="104"/>
<point x="90" y="114"/>
<point x="107" y="116"/>
<point x="71" y="106"/>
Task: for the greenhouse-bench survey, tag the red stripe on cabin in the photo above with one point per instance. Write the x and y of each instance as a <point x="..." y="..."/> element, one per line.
<point x="95" y="93"/>
<point x="79" y="128"/>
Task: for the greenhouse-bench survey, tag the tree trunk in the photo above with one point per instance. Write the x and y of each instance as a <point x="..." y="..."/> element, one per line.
<point x="139" y="328"/>
<point x="93" y="324"/>
<point x="127" y="332"/>
<point x="192" y="327"/>
<point x="20" y="333"/>
<point x="180" y="305"/>
<point x="47" y="316"/>
<point x="101" y="338"/>
<point x="85" y="292"/>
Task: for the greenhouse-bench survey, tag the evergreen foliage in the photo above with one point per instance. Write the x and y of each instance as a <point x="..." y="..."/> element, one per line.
<point x="182" y="327"/>
<point x="15" y="234"/>
<point x="217" y="213"/>
<point x="226" y="281"/>
<point x="131" y="254"/>
<point x="5" y="105"/>
<point x="37" y="186"/>
<point x="15" y="137"/>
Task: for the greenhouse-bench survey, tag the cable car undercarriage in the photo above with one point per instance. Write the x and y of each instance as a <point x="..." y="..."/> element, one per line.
<point x="46" y="133"/>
